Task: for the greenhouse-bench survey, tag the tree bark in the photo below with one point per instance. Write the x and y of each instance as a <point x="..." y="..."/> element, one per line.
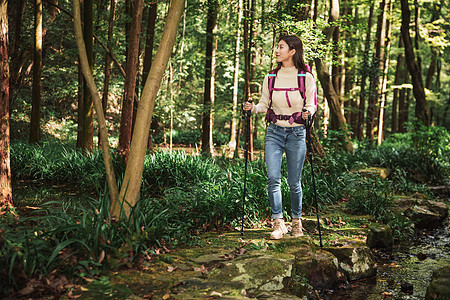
<point x="35" y="128"/>
<point x="130" y="189"/>
<point x="87" y="72"/>
<point x="365" y="69"/>
<point x="377" y="65"/>
<point x="6" y="201"/>
<point x="233" y="128"/>
<point x="126" y="121"/>
<point x="108" y="63"/>
<point x="397" y="82"/>
<point x="422" y="111"/>
<point x="333" y="100"/>
<point x="15" y="45"/>
<point x="207" y="143"/>
<point x="385" y="69"/>
<point x="87" y="129"/>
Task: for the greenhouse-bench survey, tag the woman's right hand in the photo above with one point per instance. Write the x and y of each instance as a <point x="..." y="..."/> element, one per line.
<point x="248" y="106"/>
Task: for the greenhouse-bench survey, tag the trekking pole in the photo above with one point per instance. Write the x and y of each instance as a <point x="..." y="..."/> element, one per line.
<point x="246" y="117"/>
<point x="308" y="137"/>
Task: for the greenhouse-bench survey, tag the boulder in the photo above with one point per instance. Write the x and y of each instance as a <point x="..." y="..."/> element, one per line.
<point x="379" y="236"/>
<point x="355" y="261"/>
<point x="318" y="269"/>
<point x="423" y="217"/>
<point x="439" y="287"/>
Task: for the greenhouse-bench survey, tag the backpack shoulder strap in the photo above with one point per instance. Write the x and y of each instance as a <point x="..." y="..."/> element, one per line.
<point x="271" y="84"/>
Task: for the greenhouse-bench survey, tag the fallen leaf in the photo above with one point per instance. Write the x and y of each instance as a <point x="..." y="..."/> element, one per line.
<point x="72" y="296"/>
<point x="215" y="294"/>
<point x="166" y="296"/>
<point x="171" y="269"/>
<point x="26" y="290"/>
<point x="102" y="256"/>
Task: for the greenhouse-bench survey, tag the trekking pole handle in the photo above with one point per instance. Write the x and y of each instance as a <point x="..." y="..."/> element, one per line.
<point x="248" y="112"/>
<point x="308" y="121"/>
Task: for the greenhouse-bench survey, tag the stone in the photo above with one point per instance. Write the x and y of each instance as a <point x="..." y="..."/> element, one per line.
<point x="318" y="269"/>
<point x="423" y="217"/>
<point x="439" y="287"/>
<point x="379" y="236"/>
<point x="356" y="261"/>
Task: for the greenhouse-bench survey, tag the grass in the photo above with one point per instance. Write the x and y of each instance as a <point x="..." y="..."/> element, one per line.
<point x="183" y="196"/>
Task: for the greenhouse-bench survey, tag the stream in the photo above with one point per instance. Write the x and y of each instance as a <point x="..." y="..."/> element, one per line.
<point x="403" y="272"/>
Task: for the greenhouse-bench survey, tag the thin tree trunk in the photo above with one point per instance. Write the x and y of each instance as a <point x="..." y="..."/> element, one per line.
<point x="6" y="201"/>
<point x="126" y="121"/>
<point x="35" y="128"/>
<point x="233" y="128"/>
<point x="384" y="76"/>
<point x="110" y="176"/>
<point x="87" y="141"/>
<point x="377" y="64"/>
<point x="108" y="63"/>
<point x="397" y="82"/>
<point x="148" y="56"/>
<point x="422" y="111"/>
<point x="362" y="94"/>
<point x="130" y="189"/>
<point x="15" y="63"/>
<point x="208" y="99"/>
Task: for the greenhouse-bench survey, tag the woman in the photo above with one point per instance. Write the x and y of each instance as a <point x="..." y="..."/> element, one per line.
<point x="286" y="110"/>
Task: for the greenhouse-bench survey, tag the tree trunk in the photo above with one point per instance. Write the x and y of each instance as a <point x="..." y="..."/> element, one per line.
<point x="108" y="63"/>
<point x="365" y="71"/>
<point x="207" y="143"/>
<point x="421" y="110"/>
<point x="233" y="128"/>
<point x="431" y="70"/>
<point x="15" y="45"/>
<point x="130" y="189"/>
<point x="126" y="121"/>
<point x="87" y="72"/>
<point x="87" y="140"/>
<point x="383" y="81"/>
<point x="148" y="56"/>
<point x="377" y="65"/>
<point x="333" y="101"/>
<point x="397" y="82"/>
<point x="6" y="201"/>
<point x="35" y="128"/>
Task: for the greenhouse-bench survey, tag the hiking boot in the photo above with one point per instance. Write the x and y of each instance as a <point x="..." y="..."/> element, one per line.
<point x="279" y="229"/>
<point x="297" y="228"/>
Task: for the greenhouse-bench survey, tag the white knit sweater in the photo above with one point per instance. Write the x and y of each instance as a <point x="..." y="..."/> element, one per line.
<point x="287" y="78"/>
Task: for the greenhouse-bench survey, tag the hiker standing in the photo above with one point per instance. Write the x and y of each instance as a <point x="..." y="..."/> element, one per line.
<point x="287" y="90"/>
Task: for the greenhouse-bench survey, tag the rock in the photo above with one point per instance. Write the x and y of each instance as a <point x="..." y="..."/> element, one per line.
<point x="356" y="262"/>
<point x="374" y="172"/>
<point x="438" y="207"/>
<point x="318" y="269"/>
<point x="258" y="273"/>
<point x="423" y="217"/>
<point x="406" y="287"/>
<point x="439" y="287"/>
<point x="380" y="236"/>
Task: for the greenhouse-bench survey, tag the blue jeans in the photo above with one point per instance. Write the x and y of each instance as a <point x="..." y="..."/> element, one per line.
<point x="291" y="140"/>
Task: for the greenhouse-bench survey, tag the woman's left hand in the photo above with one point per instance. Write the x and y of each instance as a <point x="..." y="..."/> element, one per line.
<point x="305" y="114"/>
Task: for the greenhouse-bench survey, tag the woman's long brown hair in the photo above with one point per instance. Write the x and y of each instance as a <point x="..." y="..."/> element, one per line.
<point x="294" y="42"/>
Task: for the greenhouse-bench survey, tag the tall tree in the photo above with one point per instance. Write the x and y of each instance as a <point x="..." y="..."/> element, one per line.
<point x="377" y="65"/>
<point x="208" y="98"/>
<point x="87" y="129"/>
<point x="126" y="122"/>
<point x="108" y="61"/>
<point x="6" y="201"/>
<point x="233" y="128"/>
<point x="325" y="79"/>
<point x="15" y="65"/>
<point x="384" y="74"/>
<point x="131" y="186"/>
<point x="35" y="128"/>
<point x="364" y="71"/>
<point x="87" y="72"/>
<point x="422" y="111"/>
<point x="397" y="82"/>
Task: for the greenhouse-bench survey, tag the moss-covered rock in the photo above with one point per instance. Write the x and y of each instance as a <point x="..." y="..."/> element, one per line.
<point x="374" y="172"/>
<point x="439" y="287"/>
<point x="379" y="236"/>
<point x="355" y="261"/>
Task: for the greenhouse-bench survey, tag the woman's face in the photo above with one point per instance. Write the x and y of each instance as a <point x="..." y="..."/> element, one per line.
<point x="284" y="54"/>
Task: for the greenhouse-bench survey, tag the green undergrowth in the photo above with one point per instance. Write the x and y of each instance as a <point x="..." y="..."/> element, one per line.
<point x="183" y="196"/>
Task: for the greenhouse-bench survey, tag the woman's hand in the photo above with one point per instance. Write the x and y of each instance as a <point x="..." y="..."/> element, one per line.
<point x="248" y="106"/>
<point x="305" y="114"/>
